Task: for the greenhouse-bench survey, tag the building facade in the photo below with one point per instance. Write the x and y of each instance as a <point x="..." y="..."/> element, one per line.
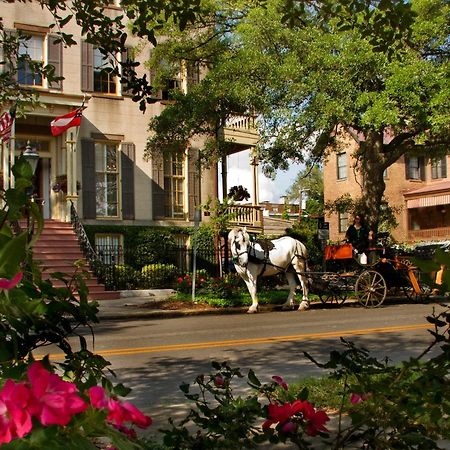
<point x="99" y="167"/>
<point x="417" y="188"/>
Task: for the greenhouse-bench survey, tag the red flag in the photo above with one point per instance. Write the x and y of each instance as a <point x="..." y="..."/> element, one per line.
<point x="62" y="123"/>
<point x="6" y="123"/>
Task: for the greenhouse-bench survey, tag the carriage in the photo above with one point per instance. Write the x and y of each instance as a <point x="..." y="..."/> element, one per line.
<point x="370" y="279"/>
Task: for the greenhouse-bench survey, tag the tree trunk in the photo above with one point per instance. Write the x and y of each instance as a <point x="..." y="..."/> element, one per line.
<point x="372" y="165"/>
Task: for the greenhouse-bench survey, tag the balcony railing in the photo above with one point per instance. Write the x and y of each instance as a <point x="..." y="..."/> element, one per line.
<point x="247" y="215"/>
<point x="429" y="234"/>
<point x="241" y="122"/>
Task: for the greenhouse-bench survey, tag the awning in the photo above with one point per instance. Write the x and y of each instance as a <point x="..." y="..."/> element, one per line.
<point x="424" y="202"/>
<point x="431" y="195"/>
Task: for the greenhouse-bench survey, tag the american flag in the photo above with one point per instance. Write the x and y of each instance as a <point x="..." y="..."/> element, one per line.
<point x="6" y="123"/>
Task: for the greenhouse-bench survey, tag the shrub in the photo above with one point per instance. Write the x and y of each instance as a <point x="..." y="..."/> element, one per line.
<point x="159" y="275"/>
<point x="225" y="287"/>
<point x="154" y="246"/>
<point x="120" y="276"/>
<point x="184" y="283"/>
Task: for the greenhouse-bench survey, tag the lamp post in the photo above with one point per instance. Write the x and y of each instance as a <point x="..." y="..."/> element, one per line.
<point x="32" y="156"/>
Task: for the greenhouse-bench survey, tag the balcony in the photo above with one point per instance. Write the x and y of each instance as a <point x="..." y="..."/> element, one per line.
<point x="430" y="234"/>
<point x="242" y="131"/>
<point x="247" y="216"/>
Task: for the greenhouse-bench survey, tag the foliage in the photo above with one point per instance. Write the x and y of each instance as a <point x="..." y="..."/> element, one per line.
<point x="238" y="193"/>
<point x="153" y="246"/>
<point x="184" y="283"/>
<point x="310" y="182"/>
<point x="316" y="87"/>
<point x="306" y="232"/>
<point x="223" y="420"/>
<point x="159" y="275"/>
<point x="38" y="407"/>
<point x="203" y="239"/>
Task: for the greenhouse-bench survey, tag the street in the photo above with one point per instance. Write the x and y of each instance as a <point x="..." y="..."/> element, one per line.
<point x="153" y="357"/>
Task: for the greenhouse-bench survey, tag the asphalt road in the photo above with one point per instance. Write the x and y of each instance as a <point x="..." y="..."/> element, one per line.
<point x="154" y="357"/>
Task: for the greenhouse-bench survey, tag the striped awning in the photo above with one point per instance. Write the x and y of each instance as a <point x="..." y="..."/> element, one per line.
<point x="424" y="202"/>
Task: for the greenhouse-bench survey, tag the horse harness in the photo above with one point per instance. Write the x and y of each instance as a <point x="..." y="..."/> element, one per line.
<point x="266" y="246"/>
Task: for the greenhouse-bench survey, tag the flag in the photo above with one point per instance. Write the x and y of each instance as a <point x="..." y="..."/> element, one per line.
<point x="62" y="123"/>
<point x="6" y="123"/>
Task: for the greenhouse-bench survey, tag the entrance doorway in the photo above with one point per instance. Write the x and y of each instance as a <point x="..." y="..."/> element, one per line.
<point x="42" y="187"/>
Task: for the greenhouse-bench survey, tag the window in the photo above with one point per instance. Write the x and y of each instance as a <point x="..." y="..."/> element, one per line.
<point x="343" y="222"/>
<point x="415" y="168"/>
<point x="439" y="168"/>
<point x="109" y="248"/>
<point x="174" y="185"/>
<point x="107" y="179"/>
<point x="342" y="166"/>
<point x="104" y="81"/>
<point x="31" y="51"/>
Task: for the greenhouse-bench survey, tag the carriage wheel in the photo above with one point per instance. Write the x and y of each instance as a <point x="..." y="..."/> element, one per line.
<point x="371" y="289"/>
<point x="334" y="294"/>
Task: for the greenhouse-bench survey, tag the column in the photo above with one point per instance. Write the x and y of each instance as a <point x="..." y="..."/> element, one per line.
<point x="255" y="177"/>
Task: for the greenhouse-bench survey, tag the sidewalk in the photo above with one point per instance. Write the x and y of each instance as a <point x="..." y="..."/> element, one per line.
<point x="138" y="305"/>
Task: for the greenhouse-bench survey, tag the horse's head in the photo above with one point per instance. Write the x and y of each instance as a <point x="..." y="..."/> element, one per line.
<point x="239" y="243"/>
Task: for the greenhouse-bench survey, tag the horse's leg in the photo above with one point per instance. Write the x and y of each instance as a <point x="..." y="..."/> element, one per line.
<point x="251" y="286"/>
<point x="300" y="267"/>
<point x="292" y="280"/>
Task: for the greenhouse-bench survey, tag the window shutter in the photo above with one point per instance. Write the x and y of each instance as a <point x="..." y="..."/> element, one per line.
<point x="87" y="67"/>
<point x="128" y="157"/>
<point x="421" y="163"/>
<point x="434" y="169"/>
<point x="158" y="194"/>
<point x="88" y="178"/>
<point x="407" y="168"/>
<point x="126" y="57"/>
<point x="193" y="182"/>
<point x="55" y="58"/>
<point x="444" y="167"/>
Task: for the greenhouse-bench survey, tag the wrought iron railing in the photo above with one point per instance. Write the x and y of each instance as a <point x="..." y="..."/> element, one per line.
<point x="85" y="245"/>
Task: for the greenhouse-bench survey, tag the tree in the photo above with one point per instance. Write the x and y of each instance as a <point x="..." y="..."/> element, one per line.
<point x="144" y="18"/>
<point x="315" y="84"/>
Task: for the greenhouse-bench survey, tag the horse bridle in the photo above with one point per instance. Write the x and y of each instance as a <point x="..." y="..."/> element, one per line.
<point x="238" y="254"/>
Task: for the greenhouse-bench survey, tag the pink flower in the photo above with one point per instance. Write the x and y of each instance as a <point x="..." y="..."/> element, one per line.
<point x="218" y="381"/>
<point x="289" y="427"/>
<point x="97" y="397"/>
<point x="13" y="282"/>
<point x="54" y="400"/>
<point x="15" y="419"/>
<point x="357" y="398"/>
<point x="279" y="380"/>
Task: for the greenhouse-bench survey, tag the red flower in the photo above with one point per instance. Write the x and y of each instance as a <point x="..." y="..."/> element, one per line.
<point x="54" y="400"/>
<point x="316" y="419"/>
<point x="357" y="398"/>
<point x="282" y="413"/>
<point x="13" y="282"/>
<point x="118" y="412"/>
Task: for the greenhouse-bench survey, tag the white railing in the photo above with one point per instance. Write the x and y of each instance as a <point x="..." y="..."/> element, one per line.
<point x="241" y="122"/>
<point x="246" y="215"/>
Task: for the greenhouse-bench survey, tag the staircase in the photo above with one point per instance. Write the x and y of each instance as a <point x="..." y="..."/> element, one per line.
<point x="57" y="249"/>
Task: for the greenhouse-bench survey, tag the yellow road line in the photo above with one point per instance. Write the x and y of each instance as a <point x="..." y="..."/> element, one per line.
<point x="250" y="341"/>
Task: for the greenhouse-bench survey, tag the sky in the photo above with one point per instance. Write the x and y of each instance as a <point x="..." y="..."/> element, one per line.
<point x="240" y="173"/>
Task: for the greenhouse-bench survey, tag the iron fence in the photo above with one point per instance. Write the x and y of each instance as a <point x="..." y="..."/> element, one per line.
<point x="118" y="270"/>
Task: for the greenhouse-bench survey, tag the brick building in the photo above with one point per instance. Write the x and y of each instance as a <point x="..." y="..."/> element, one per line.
<point x="418" y="187"/>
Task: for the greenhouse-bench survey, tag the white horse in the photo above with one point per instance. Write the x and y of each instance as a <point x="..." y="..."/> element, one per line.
<point x="285" y="254"/>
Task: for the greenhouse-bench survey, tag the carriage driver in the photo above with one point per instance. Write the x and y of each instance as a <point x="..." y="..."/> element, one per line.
<point x="358" y="235"/>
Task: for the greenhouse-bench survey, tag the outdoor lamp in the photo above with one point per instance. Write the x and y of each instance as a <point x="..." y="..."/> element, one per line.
<point x="32" y="156"/>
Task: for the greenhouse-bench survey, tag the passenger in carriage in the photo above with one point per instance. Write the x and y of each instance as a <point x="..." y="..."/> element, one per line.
<point x="359" y="236"/>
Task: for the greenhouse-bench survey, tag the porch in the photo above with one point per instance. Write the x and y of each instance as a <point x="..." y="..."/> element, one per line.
<point x="431" y="234"/>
